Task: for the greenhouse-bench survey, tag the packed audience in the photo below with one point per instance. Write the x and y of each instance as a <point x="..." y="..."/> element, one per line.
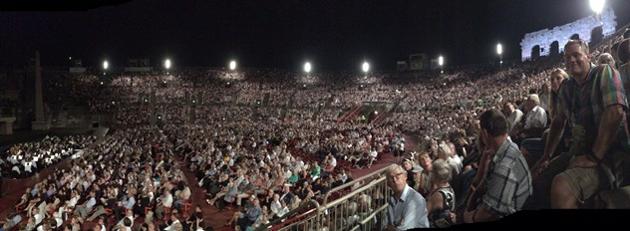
<point x="25" y="159"/>
<point x="268" y="141"/>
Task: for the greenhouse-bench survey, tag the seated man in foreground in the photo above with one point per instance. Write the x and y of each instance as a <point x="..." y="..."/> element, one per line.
<point x="503" y="182"/>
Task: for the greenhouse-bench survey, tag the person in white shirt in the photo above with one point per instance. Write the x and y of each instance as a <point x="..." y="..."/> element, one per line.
<point x="277" y="207"/>
<point x="166" y="202"/>
<point x="330" y="162"/>
<point x="28" y="167"/>
<point x="535" y="120"/>
<point x="372" y="157"/>
<point x="536" y="116"/>
<point x="175" y="224"/>
<point x="514" y="115"/>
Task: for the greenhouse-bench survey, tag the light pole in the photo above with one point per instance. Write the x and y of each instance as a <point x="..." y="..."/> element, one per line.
<point x="500" y="53"/>
<point x="441" y="64"/>
<point x="167" y="65"/>
<point x="365" y="67"/>
<point x="105" y="67"/>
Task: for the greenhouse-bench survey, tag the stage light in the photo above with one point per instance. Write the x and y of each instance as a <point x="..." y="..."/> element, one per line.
<point x="441" y="60"/>
<point x="307" y="67"/>
<point x="597" y="5"/>
<point x="365" y="67"/>
<point x="232" y="65"/>
<point x="105" y="65"/>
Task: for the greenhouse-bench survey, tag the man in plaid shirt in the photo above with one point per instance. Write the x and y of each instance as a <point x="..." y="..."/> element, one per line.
<point x="506" y="178"/>
<point x="593" y="103"/>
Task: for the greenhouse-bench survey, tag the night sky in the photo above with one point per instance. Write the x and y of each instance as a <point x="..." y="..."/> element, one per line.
<point x="333" y="34"/>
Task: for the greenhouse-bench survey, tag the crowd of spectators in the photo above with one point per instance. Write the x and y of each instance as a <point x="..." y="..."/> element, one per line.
<point x="266" y="141"/>
<point x="25" y="159"/>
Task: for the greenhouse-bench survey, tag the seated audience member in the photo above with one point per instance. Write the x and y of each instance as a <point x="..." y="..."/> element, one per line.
<point x="403" y="200"/>
<point x="423" y="181"/>
<point x="514" y="115"/>
<point x="503" y="182"/>
<point x="535" y="120"/>
<point x="533" y="148"/>
<point x="441" y="200"/>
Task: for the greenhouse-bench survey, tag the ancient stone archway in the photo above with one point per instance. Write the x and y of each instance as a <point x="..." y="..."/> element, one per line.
<point x="585" y="29"/>
<point x="554" y="49"/>
<point x="535" y="52"/>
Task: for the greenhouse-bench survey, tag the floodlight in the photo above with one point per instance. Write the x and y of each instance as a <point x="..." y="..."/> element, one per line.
<point x="499" y="49"/>
<point x="365" y="67"/>
<point x="597" y="5"/>
<point x="441" y="60"/>
<point x="232" y="65"/>
<point x="167" y="64"/>
<point x="105" y="65"/>
<point x="307" y="67"/>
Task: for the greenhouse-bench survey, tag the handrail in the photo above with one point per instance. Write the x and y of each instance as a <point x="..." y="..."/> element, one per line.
<point x="288" y="216"/>
<point x="371" y="216"/>
<point x="359" y="190"/>
<point x="353" y="182"/>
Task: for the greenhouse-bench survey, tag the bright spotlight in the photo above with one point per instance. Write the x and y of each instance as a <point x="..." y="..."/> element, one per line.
<point x="307" y="67"/>
<point x="499" y="49"/>
<point x="167" y="64"/>
<point x="441" y="60"/>
<point x="105" y="65"/>
<point x="597" y="5"/>
<point x="365" y="67"/>
<point x="232" y="65"/>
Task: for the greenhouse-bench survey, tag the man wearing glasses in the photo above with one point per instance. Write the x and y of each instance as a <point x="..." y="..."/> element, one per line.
<point x="407" y="208"/>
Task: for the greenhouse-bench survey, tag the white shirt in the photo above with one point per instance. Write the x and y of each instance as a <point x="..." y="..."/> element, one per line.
<point x="374" y="154"/>
<point x="90" y="203"/>
<point x="409" y="211"/>
<point x="27" y="167"/>
<point x="172" y="226"/>
<point x="333" y="161"/>
<point x="168" y="201"/>
<point x="456" y="163"/>
<point x="536" y="118"/>
<point x="276" y="208"/>
<point x="515" y="118"/>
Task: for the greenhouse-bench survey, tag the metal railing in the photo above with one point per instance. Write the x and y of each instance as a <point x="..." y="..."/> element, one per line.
<point x="361" y="209"/>
<point x="353" y="183"/>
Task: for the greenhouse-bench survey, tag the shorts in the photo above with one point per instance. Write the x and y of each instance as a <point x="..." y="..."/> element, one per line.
<point x="584" y="182"/>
